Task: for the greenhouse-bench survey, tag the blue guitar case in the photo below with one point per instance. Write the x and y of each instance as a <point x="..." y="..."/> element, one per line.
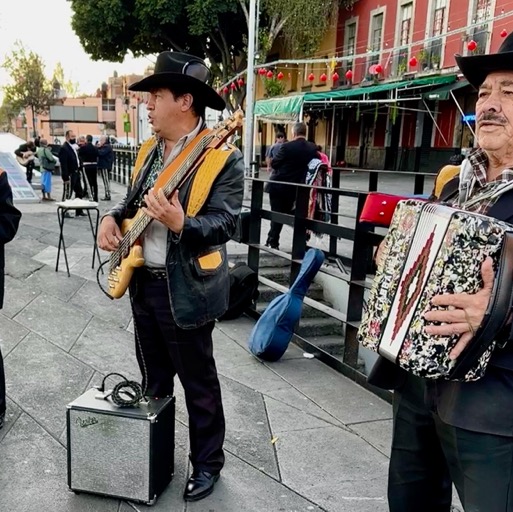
<point x="272" y="333"/>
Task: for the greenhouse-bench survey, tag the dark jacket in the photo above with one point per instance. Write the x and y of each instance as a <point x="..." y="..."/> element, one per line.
<point x="9" y="220"/>
<point x="105" y="157"/>
<point x="481" y="406"/>
<point x="88" y="154"/>
<point x="291" y="163"/>
<point x="23" y="148"/>
<point x="197" y="296"/>
<point x="68" y="160"/>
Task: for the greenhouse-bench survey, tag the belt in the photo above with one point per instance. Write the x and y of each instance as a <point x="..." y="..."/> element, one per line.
<point x="153" y="273"/>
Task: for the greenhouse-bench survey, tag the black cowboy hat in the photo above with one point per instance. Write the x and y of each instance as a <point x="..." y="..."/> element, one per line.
<point x="477" y="67"/>
<point x="176" y="67"/>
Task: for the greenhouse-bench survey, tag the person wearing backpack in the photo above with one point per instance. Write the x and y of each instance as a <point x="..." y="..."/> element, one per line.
<point x="47" y="165"/>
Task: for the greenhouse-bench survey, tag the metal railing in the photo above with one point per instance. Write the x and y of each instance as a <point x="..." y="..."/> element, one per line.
<point x="359" y="263"/>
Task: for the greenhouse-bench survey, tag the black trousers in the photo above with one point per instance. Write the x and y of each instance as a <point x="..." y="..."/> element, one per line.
<point x="481" y="467"/>
<point x="282" y="201"/>
<point x="91" y="172"/>
<point x="2" y="385"/>
<point x="29" y="170"/>
<point x="164" y="350"/>
<point x="418" y="478"/>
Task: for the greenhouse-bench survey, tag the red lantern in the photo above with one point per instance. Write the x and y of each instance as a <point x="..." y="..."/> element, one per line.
<point x="413" y="61"/>
<point x="233" y="86"/>
<point x="240" y="81"/>
<point x="471" y="45"/>
<point x="349" y="75"/>
<point x="311" y="77"/>
<point x="279" y="76"/>
<point x="262" y="71"/>
<point x="270" y="74"/>
<point x="379" y="69"/>
<point x="323" y="77"/>
<point x="226" y="90"/>
<point x="504" y="32"/>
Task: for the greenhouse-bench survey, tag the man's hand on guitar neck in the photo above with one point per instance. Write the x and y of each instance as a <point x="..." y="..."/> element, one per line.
<point x="109" y="234"/>
<point x="168" y="211"/>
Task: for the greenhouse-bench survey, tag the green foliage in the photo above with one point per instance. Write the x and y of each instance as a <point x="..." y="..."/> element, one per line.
<point x="29" y="87"/>
<point x="70" y="87"/>
<point x="273" y="87"/>
<point x="8" y="113"/>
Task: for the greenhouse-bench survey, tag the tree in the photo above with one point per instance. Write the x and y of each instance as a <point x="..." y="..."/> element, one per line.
<point x="29" y="87"/>
<point x="71" y="88"/>
<point x="214" y="29"/>
<point x="8" y="113"/>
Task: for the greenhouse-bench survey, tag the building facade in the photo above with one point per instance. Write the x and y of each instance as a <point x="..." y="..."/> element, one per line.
<point x="398" y="101"/>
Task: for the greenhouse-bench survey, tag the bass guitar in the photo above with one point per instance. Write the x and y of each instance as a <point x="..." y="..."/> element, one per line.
<point x="129" y="254"/>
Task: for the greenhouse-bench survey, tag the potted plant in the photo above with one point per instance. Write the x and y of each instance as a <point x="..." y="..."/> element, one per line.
<point x="435" y="61"/>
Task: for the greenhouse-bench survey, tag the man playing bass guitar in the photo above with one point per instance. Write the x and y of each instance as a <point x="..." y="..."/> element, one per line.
<point x="183" y="285"/>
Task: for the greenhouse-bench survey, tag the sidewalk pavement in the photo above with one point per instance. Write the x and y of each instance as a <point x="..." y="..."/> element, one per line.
<point x="300" y="437"/>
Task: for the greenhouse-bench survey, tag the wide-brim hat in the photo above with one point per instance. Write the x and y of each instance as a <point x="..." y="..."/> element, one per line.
<point x="176" y="67"/>
<point x="477" y="67"/>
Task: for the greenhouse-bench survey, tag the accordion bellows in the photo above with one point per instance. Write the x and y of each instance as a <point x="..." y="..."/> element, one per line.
<point x="429" y="249"/>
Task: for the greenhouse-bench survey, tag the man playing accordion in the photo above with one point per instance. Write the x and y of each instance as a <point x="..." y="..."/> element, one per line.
<point x="463" y="431"/>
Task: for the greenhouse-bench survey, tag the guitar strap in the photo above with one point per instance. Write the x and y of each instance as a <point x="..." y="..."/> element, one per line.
<point x="212" y="164"/>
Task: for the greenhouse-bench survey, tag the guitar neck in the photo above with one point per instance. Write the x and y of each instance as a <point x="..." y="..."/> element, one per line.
<point x="141" y="221"/>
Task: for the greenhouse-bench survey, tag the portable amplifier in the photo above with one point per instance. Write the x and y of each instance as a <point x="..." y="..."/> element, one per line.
<point x="122" y="452"/>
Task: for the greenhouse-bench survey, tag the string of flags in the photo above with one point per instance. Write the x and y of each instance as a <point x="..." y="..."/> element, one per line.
<point x="374" y="69"/>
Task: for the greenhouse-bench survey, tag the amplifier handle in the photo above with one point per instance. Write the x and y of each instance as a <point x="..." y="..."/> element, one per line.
<point x="496" y="315"/>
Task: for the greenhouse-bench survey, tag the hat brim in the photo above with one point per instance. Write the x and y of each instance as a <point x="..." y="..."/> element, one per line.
<point x="197" y="88"/>
<point x="476" y="68"/>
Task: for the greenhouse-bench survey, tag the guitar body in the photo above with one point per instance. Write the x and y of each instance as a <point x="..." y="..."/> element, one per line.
<point x="26" y="158"/>
<point x="272" y="333"/>
<point x="120" y="277"/>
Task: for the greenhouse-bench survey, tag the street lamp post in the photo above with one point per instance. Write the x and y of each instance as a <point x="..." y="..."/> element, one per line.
<point x="134" y="126"/>
<point x="250" y="91"/>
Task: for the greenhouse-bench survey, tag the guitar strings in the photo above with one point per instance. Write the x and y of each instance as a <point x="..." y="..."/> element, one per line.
<point x="143" y="221"/>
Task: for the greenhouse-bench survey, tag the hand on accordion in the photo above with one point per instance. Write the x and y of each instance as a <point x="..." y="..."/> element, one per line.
<point x="465" y="311"/>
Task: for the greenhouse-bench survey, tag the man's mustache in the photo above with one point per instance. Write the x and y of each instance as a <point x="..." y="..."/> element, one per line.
<point x="494" y="118"/>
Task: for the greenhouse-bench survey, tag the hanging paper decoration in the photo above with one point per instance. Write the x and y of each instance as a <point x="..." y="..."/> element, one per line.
<point x="240" y="81"/>
<point x="349" y="75"/>
<point x="413" y="61"/>
<point x="471" y="45"/>
<point x="262" y="71"/>
<point x="323" y="77"/>
<point x="279" y="76"/>
<point x="379" y="69"/>
<point x="226" y="90"/>
<point x="233" y="86"/>
<point x="269" y="74"/>
<point x="504" y="32"/>
<point x="311" y="77"/>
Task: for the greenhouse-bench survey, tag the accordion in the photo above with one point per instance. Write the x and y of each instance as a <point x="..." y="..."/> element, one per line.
<point x="433" y="249"/>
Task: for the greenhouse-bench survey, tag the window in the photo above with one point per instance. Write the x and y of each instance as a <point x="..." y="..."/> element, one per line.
<point x="376" y="36"/>
<point x="56" y="128"/>
<point x="404" y="38"/>
<point x="434" y="56"/>
<point x="481" y="33"/>
<point x="108" y="105"/>
<point x="350" y="44"/>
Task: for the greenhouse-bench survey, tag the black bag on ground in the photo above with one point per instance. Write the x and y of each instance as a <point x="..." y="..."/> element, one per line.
<point x="243" y="290"/>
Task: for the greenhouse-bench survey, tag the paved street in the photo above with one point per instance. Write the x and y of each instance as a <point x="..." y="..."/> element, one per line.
<point x="300" y="437"/>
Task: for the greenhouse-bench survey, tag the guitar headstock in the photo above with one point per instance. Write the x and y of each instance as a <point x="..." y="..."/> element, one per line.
<point x="225" y="128"/>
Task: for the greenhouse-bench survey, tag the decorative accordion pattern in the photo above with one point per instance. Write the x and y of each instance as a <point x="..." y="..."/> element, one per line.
<point x="429" y="249"/>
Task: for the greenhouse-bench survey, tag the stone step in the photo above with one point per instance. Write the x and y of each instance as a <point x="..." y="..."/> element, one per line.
<point x="314" y="327"/>
<point x="266" y="260"/>
<point x="267" y="294"/>
<point x="332" y="344"/>
<point x="280" y="275"/>
<point x="306" y="312"/>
